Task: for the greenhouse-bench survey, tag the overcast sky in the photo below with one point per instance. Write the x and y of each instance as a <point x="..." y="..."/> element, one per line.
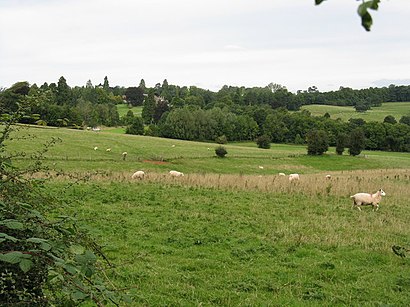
<point x="204" y="43"/>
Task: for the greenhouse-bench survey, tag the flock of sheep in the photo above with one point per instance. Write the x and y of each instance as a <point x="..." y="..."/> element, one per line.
<point x="359" y="199"/>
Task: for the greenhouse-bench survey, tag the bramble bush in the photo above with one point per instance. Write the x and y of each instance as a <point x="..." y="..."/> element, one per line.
<point x="45" y="258"/>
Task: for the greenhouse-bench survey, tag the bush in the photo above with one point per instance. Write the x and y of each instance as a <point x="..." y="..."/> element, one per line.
<point x="341" y="143"/>
<point x="317" y="142"/>
<point x="137" y="127"/>
<point x="263" y="141"/>
<point x="220" y="151"/>
<point x="356" y="141"/>
<point x="221" y="139"/>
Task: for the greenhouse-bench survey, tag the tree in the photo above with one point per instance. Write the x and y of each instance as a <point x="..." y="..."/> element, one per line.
<point x="63" y="94"/>
<point x="134" y="96"/>
<point x="356" y="141"/>
<point x="106" y="85"/>
<point x="390" y="119"/>
<point x="405" y="119"/>
<point x="136" y="127"/>
<point x="148" y="109"/>
<point x="341" y="143"/>
<point x="317" y="142"/>
<point x="263" y="141"/>
<point x="363" y="12"/>
<point x="362" y="106"/>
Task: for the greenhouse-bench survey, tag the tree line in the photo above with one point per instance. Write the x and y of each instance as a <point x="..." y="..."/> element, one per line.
<point x="192" y="113"/>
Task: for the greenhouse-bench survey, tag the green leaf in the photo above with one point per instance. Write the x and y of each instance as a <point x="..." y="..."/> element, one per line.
<point x="317" y="2"/>
<point x="44" y="245"/>
<point x="70" y="269"/>
<point x="12" y="224"/>
<point x="5" y="236"/>
<point x="12" y="257"/>
<point x="25" y="265"/>
<point x="77" y="249"/>
<point x="78" y="295"/>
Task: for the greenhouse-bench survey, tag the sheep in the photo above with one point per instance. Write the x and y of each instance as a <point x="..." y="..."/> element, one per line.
<point x="138" y="175"/>
<point x="360" y="199"/>
<point x="173" y="146"/>
<point x="124" y="155"/>
<point x="328" y="177"/>
<point x="293" y="177"/>
<point x="282" y="174"/>
<point x="95" y="148"/>
<point x="260" y="167"/>
<point x="176" y="174"/>
<point x="108" y="150"/>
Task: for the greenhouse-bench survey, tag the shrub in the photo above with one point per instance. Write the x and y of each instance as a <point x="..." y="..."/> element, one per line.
<point x="317" y="142"/>
<point x="263" y="141"/>
<point x="137" y="127"/>
<point x="221" y="139"/>
<point x="356" y="141"/>
<point x="220" y="151"/>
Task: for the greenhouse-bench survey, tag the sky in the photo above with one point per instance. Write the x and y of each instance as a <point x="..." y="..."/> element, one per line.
<point x="206" y="44"/>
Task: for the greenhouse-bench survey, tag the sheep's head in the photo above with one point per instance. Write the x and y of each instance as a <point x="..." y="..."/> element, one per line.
<point x="382" y="193"/>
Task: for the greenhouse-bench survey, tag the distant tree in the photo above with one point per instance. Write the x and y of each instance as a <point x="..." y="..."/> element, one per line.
<point x="263" y="141"/>
<point x="405" y="119"/>
<point x="136" y="127"/>
<point x="362" y="106"/>
<point x="63" y="92"/>
<point x="356" y="141"/>
<point x="341" y="140"/>
<point x="222" y="139"/>
<point x="142" y="85"/>
<point x="274" y="87"/>
<point x="160" y="108"/>
<point x="148" y="109"/>
<point x="134" y="96"/>
<point x="317" y="142"/>
<point x="106" y="85"/>
<point x="221" y="152"/>
<point x="390" y="119"/>
<point x="128" y="118"/>
<point x="11" y="97"/>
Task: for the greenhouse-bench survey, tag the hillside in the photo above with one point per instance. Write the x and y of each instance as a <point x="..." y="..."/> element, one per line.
<point x="396" y="109"/>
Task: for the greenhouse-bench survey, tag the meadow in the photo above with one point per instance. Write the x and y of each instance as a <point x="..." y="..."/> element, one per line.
<point x="231" y="232"/>
<point x="396" y="109"/>
<point x="124" y="108"/>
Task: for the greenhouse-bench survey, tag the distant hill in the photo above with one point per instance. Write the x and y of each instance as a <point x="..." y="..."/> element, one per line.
<point x="396" y="109"/>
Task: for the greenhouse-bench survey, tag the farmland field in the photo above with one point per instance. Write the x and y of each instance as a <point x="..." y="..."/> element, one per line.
<point x="123" y="109"/>
<point x="231" y="232"/>
<point x="396" y="109"/>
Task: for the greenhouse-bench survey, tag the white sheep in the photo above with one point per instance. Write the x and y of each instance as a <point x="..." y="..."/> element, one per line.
<point x="124" y="155"/>
<point x="95" y="148"/>
<point x="138" y="175"/>
<point x="293" y="177"/>
<point x="328" y="177"/>
<point x="360" y="199"/>
<point x="260" y="167"/>
<point x="176" y="174"/>
<point x="108" y="150"/>
<point x="282" y="174"/>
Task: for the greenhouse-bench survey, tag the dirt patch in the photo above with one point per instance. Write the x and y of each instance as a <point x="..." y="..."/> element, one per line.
<point x="155" y="162"/>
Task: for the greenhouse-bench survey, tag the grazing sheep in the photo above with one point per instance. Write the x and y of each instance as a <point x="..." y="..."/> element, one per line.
<point x="108" y="150"/>
<point x="260" y="167"/>
<point x="282" y="174"/>
<point x="328" y="177"/>
<point x="95" y="148"/>
<point x="176" y="174"/>
<point x="138" y="175"/>
<point x="173" y="146"/>
<point x="360" y="199"/>
<point x="293" y="177"/>
<point x="124" y="155"/>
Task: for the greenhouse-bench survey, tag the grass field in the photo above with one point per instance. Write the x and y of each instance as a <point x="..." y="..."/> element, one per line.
<point x="123" y="109"/>
<point x="230" y="233"/>
<point x="396" y="109"/>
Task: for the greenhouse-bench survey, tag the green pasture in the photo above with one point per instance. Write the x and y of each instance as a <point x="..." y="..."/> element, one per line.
<point x="123" y="109"/>
<point x="74" y="151"/>
<point x="191" y="246"/>
<point x="396" y="109"/>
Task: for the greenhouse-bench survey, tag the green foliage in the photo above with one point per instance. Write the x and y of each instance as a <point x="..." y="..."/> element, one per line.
<point x="134" y="96"/>
<point x="221" y="151"/>
<point x="363" y="12"/>
<point x="149" y="107"/>
<point x="222" y="139"/>
<point x="45" y="259"/>
<point x="263" y="141"/>
<point x="390" y="119"/>
<point x="341" y="141"/>
<point x="317" y="142"/>
<point x="136" y="127"/>
<point x="356" y="141"/>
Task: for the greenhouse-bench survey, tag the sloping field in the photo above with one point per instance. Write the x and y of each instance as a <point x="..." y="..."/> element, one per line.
<point x="396" y="109"/>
